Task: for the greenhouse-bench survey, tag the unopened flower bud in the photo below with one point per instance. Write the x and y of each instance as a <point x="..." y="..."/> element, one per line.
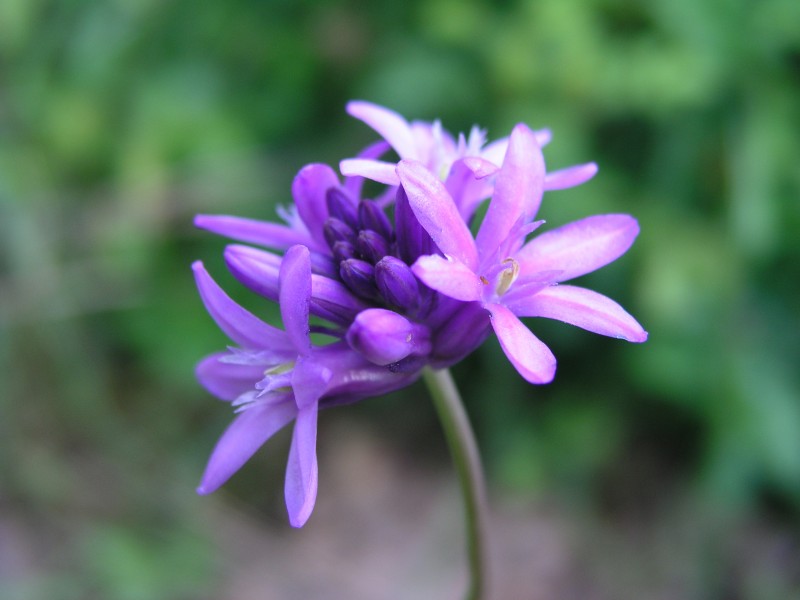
<point x="384" y="337"/>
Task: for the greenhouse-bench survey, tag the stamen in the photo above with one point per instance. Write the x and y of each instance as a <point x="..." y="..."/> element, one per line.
<point x="507" y="277"/>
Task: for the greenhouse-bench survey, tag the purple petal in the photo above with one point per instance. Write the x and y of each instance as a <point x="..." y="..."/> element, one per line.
<point x="372" y="152"/>
<point x="580" y="247"/>
<point x="412" y="239"/>
<point x="570" y="177"/>
<point x="468" y="185"/>
<point x="376" y="170"/>
<point x="529" y="355"/>
<point x="309" y="190"/>
<point x="295" y="296"/>
<point x="246" y="434"/>
<point x="583" y="308"/>
<point x="437" y="213"/>
<point x="309" y="381"/>
<point x="385" y="337"/>
<point x="301" y="470"/>
<point x="466" y="329"/>
<point x="518" y="190"/>
<point x="389" y="124"/>
<point x="449" y="277"/>
<point x="227" y="380"/>
<point x="241" y="326"/>
<point x="271" y="235"/>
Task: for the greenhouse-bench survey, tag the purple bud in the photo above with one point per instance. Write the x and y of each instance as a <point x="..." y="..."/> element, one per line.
<point x="341" y="206"/>
<point x="372" y="245"/>
<point x="359" y="276"/>
<point x="372" y="217"/>
<point x="412" y="240"/>
<point x="467" y="328"/>
<point x="343" y="251"/>
<point x="384" y="337"/>
<point x="338" y="231"/>
<point x="397" y="283"/>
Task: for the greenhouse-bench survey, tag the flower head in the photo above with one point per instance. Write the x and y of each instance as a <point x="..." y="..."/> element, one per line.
<point x="393" y="295"/>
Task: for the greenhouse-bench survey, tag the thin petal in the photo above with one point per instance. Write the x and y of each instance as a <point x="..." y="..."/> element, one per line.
<point x="518" y="190"/>
<point x="301" y="470"/>
<point x="241" y="326"/>
<point x="295" y="297"/>
<point x="310" y="379"/>
<point x="371" y="152"/>
<point x="468" y="184"/>
<point x="580" y="247"/>
<point x="244" y="436"/>
<point x="271" y="235"/>
<point x="437" y="213"/>
<point x="529" y="355"/>
<point x="570" y="177"/>
<point x="309" y="190"/>
<point x="376" y="170"/>
<point x="227" y="380"/>
<point x="583" y="308"/>
<point x="450" y="277"/>
<point x="389" y="124"/>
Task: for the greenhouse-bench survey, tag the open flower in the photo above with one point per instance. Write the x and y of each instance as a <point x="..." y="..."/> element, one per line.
<point x="277" y="376"/>
<point x="510" y="278"/>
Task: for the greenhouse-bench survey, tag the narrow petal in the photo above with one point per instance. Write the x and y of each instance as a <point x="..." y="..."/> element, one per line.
<point x="271" y="235"/>
<point x="227" y="380"/>
<point x="437" y="213"/>
<point x="570" y="177"/>
<point x="388" y="124"/>
<point x="309" y="190"/>
<point x="529" y="355"/>
<point x="468" y="183"/>
<point x="246" y="434"/>
<point x="310" y="379"/>
<point x="376" y="170"/>
<point x="518" y="190"/>
<point x="241" y="326"/>
<point x="295" y="296"/>
<point x="301" y="470"/>
<point x="371" y="152"/>
<point x="448" y="276"/>
<point x="580" y="247"/>
<point x="583" y="308"/>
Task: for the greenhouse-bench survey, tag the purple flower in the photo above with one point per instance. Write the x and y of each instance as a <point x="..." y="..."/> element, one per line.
<point x="275" y="376"/>
<point x="510" y="278"/>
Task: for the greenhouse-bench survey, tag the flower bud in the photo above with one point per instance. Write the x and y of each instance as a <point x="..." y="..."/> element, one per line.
<point x="359" y="276"/>
<point x="384" y="337"/>
<point x="341" y="206"/>
<point x="371" y="216"/>
<point x="372" y="245"/>
<point x="397" y="283"/>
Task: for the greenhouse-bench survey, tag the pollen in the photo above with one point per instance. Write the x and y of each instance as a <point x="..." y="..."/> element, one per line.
<point x="508" y="276"/>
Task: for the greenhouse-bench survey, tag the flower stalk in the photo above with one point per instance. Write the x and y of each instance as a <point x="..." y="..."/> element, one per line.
<point x="467" y="461"/>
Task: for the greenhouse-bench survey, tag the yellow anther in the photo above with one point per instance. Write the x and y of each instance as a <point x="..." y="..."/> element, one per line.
<point x="507" y="276"/>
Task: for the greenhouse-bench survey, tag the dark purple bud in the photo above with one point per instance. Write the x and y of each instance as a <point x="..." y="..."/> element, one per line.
<point x="359" y="276"/>
<point x="372" y="245"/>
<point x="461" y="334"/>
<point x="372" y="217"/>
<point x="343" y="251"/>
<point x="338" y="231"/>
<point x="384" y="337"/>
<point x="412" y="240"/>
<point x="397" y="283"/>
<point x="341" y="206"/>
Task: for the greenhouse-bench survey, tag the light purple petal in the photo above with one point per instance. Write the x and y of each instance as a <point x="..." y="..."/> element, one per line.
<point x="310" y="379"/>
<point x="529" y="355"/>
<point x="518" y="190"/>
<point x="583" y="308"/>
<point x="301" y="470"/>
<point x="371" y="152"/>
<point x="309" y="190"/>
<point x="468" y="184"/>
<point x="436" y="212"/>
<point x="295" y="296"/>
<point x="246" y="434"/>
<point x="241" y="326"/>
<point x="570" y="177"/>
<point x="449" y="277"/>
<point x="579" y="247"/>
<point x="271" y="235"/>
<point x="227" y="380"/>
<point x="389" y="124"/>
<point x="376" y="170"/>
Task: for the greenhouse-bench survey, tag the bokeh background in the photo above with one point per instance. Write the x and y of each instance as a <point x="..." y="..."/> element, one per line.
<point x="669" y="470"/>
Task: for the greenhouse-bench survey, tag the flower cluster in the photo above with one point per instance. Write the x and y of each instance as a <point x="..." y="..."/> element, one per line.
<point x="394" y="295"/>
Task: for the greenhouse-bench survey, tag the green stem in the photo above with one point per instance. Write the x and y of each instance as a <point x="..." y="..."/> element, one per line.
<point x="464" y="451"/>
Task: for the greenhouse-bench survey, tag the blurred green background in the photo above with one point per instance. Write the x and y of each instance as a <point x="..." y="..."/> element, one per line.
<point x="668" y="470"/>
